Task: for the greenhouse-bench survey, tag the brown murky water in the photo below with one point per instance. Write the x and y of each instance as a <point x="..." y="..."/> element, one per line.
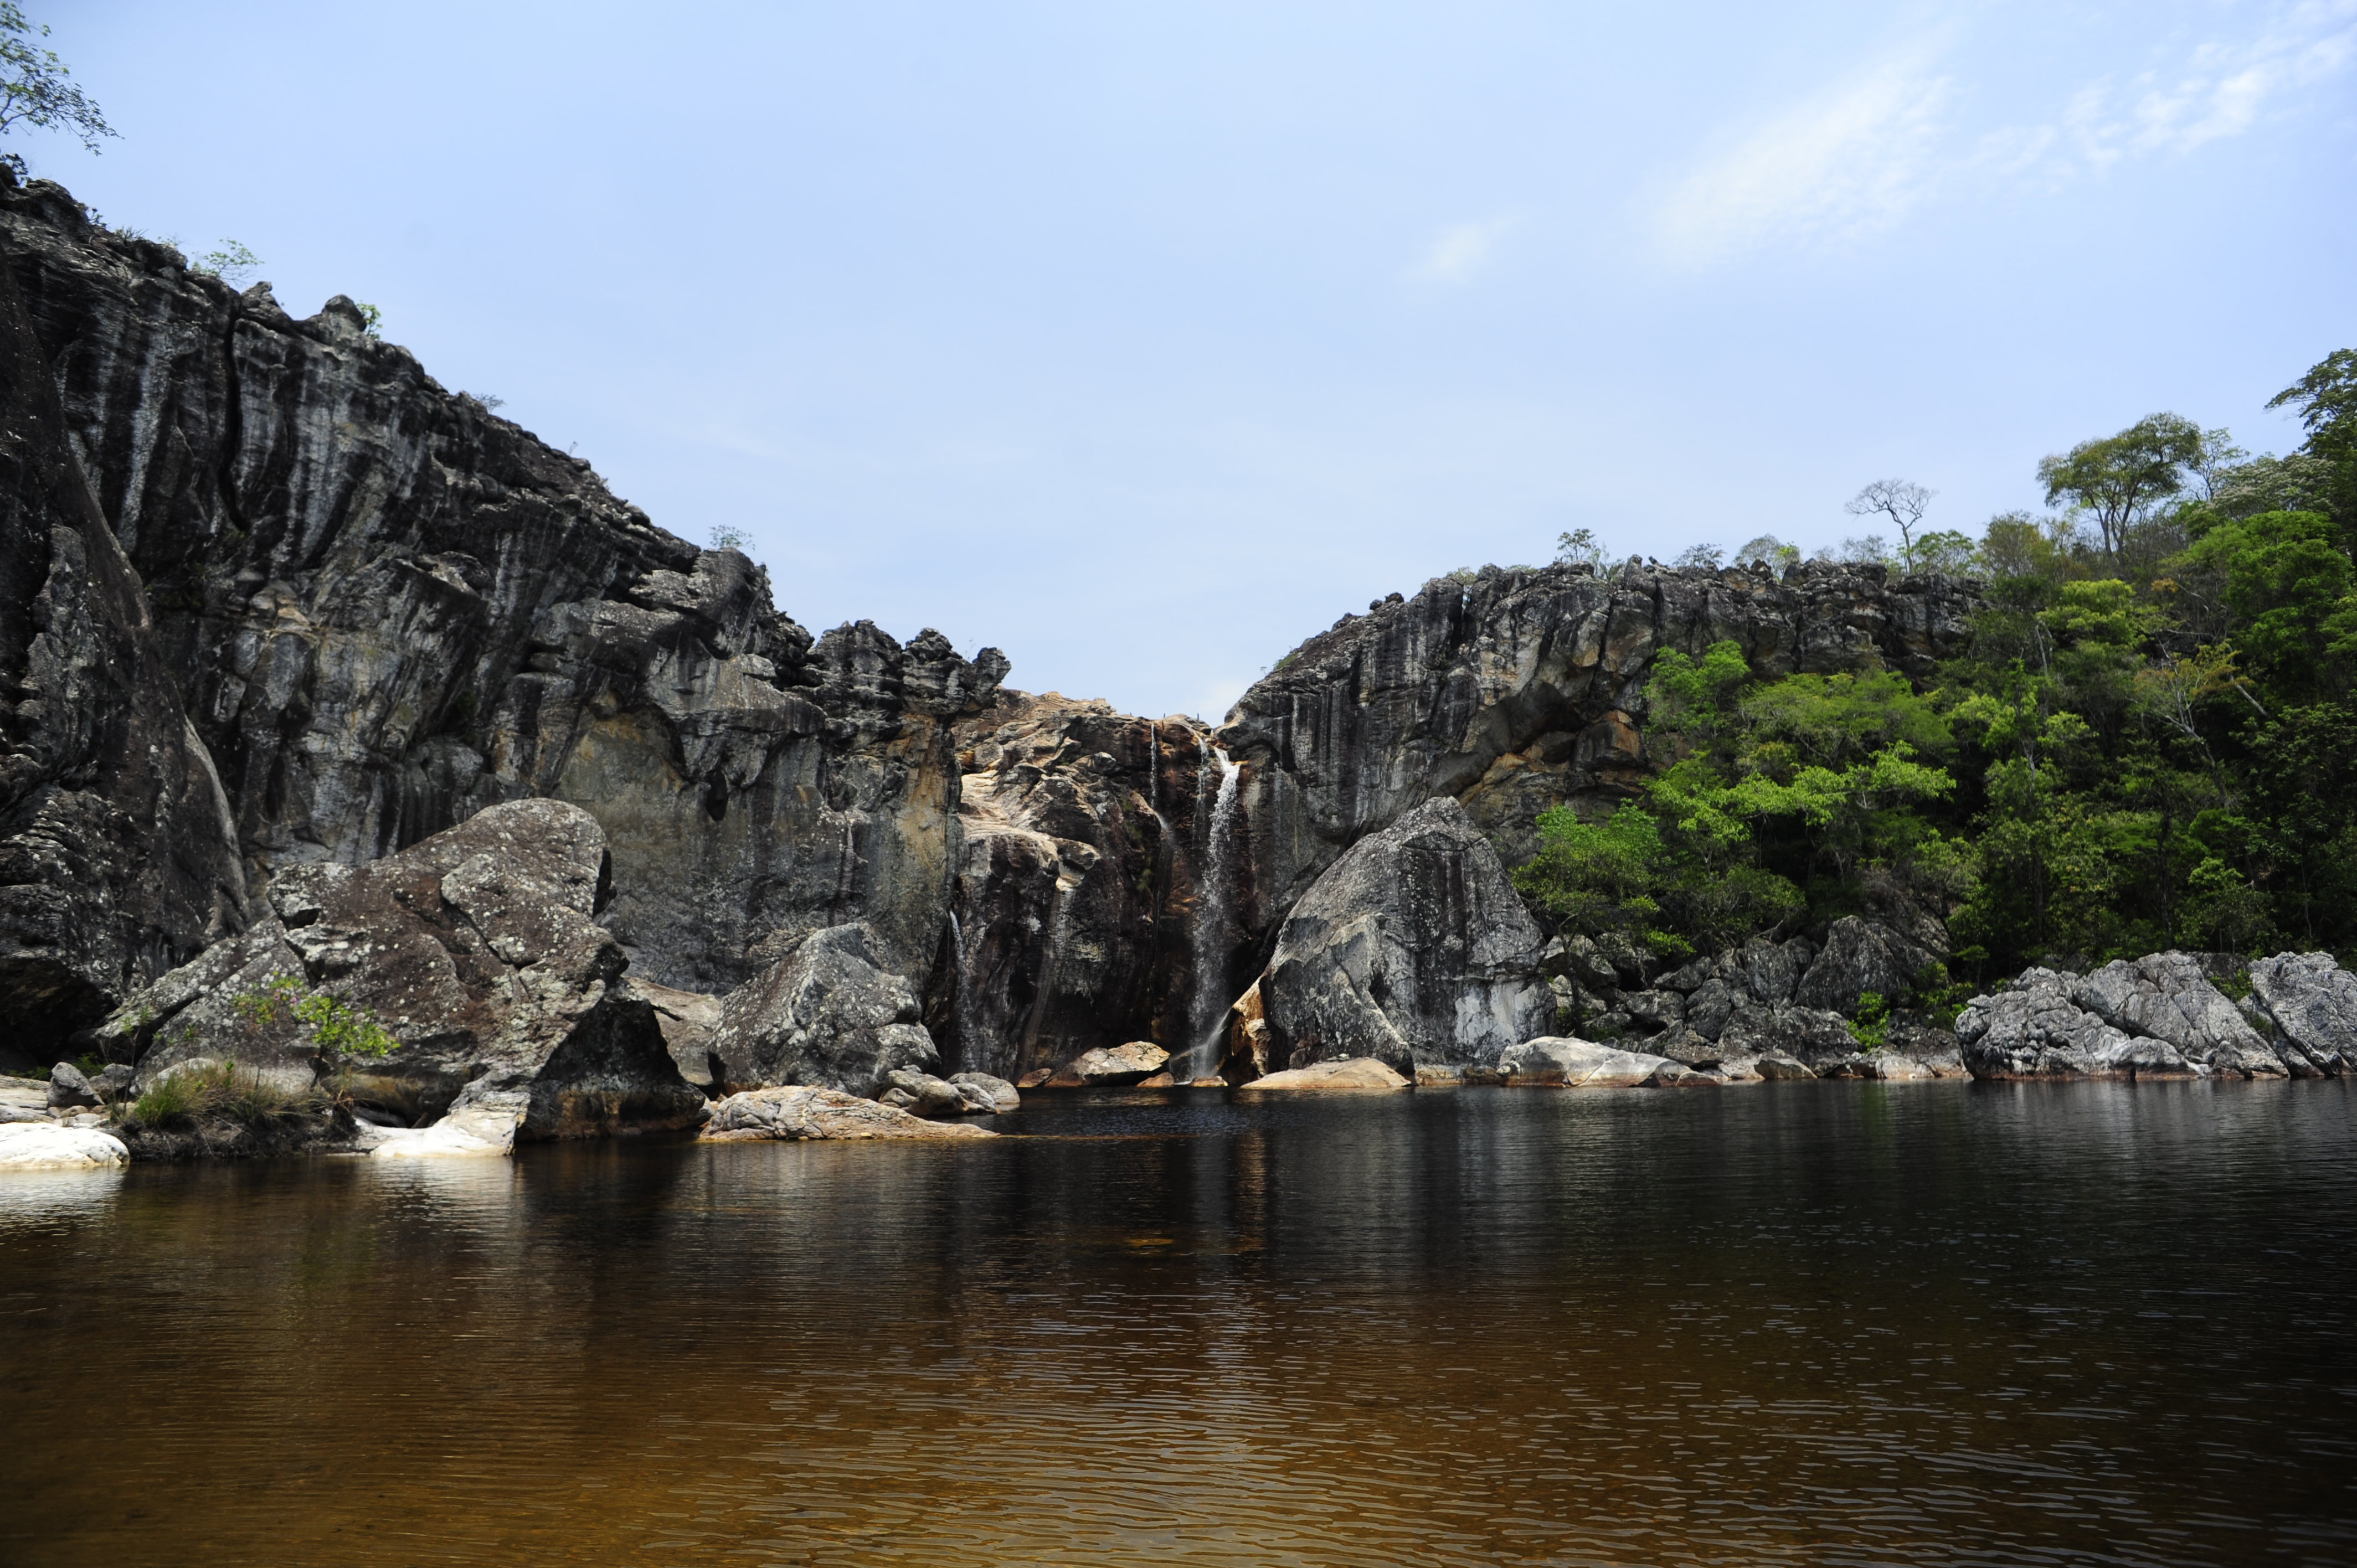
<point x="1800" y="1323"/>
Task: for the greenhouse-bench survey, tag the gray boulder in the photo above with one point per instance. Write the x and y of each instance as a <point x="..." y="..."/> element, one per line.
<point x="1709" y="1008"/>
<point x="473" y="955"/>
<point x="1860" y="956"/>
<point x="2166" y="997"/>
<point x="2034" y="1028"/>
<point x="828" y="1013"/>
<point x="1411" y="948"/>
<point x="986" y="1094"/>
<point x="922" y="1094"/>
<point x="1805" y="1034"/>
<point x="2311" y="1004"/>
<point x="69" y="1089"/>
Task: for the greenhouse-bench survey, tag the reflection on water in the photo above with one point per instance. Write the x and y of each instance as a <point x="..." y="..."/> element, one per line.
<point x="1805" y="1322"/>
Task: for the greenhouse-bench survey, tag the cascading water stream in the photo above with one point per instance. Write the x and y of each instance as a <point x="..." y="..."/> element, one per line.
<point x="1212" y="915"/>
<point x="962" y="1002"/>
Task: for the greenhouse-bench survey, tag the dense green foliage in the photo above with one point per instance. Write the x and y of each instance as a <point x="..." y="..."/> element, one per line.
<point x="2151" y="742"/>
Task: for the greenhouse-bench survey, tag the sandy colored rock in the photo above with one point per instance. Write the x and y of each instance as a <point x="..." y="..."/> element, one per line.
<point x="1356" y="1073"/>
<point x="1119" y="1065"/>
<point x="801" y="1112"/>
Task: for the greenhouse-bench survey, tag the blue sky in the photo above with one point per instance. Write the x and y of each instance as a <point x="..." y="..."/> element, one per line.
<point x="1143" y="340"/>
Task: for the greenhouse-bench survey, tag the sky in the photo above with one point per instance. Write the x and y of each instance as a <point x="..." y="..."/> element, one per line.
<point x="1142" y="341"/>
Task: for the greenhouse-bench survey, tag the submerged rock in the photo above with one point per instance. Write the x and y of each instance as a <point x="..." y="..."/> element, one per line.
<point x="1413" y="948"/>
<point x="1356" y="1073"/>
<point x="803" y="1111"/>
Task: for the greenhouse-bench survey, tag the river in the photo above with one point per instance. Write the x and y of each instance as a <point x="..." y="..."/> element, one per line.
<point x="1805" y="1322"/>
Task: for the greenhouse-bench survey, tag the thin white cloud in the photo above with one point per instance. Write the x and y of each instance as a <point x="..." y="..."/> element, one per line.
<point x="1459" y="252"/>
<point x="2223" y="88"/>
<point x="1857" y="159"/>
<point x="1845" y="164"/>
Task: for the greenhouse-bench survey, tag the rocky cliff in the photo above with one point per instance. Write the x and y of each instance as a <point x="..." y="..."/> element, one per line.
<point x="277" y="601"/>
<point x="381" y="607"/>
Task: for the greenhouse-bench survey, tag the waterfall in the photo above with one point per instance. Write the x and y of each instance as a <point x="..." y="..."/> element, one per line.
<point x="1212" y="917"/>
<point x="961" y="1002"/>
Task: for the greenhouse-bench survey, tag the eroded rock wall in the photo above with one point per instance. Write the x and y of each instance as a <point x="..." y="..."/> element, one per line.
<point x="385" y="608"/>
<point x="118" y="859"/>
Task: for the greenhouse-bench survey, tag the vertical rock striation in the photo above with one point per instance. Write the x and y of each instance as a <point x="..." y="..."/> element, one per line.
<point x="385" y="608"/>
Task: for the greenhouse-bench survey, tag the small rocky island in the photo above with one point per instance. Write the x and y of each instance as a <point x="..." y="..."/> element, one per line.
<point x="373" y="780"/>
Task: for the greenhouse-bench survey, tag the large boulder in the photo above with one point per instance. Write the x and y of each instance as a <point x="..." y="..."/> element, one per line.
<point x="2166" y="996"/>
<point x="1114" y="1066"/>
<point x="800" y="1111"/>
<point x="1413" y="948"/>
<point x="48" y="1146"/>
<point x="1359" y="1074"/>
<point x="472" y="959"/>
<point x="828" y="1015"/>
<point x="1559" y="1061"/>
<point x="2035" y="1028"/>
<point x="2311" y="1004"/>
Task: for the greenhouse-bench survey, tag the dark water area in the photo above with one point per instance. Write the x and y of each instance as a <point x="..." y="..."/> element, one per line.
<point x="1814" y="1322"/>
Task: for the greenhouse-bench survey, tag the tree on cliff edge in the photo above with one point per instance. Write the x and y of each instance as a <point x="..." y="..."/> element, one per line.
<point x="35" y="88"/>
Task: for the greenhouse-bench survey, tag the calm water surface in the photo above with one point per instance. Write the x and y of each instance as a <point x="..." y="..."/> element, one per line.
<point x="1797" y="1323"/>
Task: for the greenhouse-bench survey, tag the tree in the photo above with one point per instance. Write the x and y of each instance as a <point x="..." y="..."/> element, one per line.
<point x="35" y="88"/>
<point x="1901" y="500"/>
<point x="1580" y="547"/>
<point x="1701" y="557"/>
<point x="2119" y="481"/>
<point x="1772" y="551"/>
<point x="2327" y="400"/>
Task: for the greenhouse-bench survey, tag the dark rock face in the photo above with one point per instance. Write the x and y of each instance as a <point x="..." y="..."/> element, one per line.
<point x="117" y="859"/>
<point x="1079" y="884"/>
<point x="385" y="607"/>
<point x="1861" y="956"/>
<point x="1412" y="948"/>
<point x="475" y="949"/>
<point x="829" y="1013"/>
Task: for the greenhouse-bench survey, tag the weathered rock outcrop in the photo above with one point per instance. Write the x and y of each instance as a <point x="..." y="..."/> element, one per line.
<point x="1524" y="688"/>
<point x="2309" y="1004"/>
<point x="386" y="608"/>
<point x="476" y="951"/>
<point x="2162" y="1016"/>
<point x="1413" y="948"/>
<point x="1079" y="884"/>
<point x="828" y="1013"/>
<point x="117" y="855"/>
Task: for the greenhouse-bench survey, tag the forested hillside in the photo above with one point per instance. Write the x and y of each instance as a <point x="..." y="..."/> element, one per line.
<point x="2150" y="744"/>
